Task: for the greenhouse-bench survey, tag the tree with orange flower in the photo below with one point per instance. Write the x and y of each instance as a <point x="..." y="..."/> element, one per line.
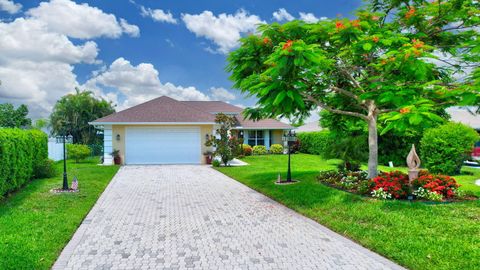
<point x="398" y="71"/>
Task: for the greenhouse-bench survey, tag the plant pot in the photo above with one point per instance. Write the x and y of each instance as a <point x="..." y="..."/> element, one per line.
<point x="117" y="160"/>
<point x="208" y="159"/>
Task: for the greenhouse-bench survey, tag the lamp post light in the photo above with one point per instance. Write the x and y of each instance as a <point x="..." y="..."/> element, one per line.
<point x="64" y="139"/>
<point x="290" y="138"/>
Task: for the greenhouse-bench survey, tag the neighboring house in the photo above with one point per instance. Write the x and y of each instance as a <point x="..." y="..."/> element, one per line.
<point x="309" y="127"/>
<point x="168" y="131"/>
<point x="464" y="116"/>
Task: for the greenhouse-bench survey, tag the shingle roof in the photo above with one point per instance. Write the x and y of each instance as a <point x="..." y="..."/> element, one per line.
<point x="214" y="106"/>
<point x="166" y="109"/>
<point x="261" y="124"/>
<point x="162" y="109"/>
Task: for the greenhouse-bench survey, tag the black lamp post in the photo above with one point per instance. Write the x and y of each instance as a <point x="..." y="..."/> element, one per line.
<point x="290" y="138"/>
<point x="64" y="139"/>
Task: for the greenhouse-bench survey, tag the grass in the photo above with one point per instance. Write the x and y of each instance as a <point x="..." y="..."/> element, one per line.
<point x="416" y="235"/>
<point x="35" y="224"/>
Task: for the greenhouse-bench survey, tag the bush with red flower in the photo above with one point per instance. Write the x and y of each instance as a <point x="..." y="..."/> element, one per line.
<point x="394" y="183"/>
<point x="441" y="184"/>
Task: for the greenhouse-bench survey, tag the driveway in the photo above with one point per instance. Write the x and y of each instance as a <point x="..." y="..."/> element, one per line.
<point x="178" y="217"/>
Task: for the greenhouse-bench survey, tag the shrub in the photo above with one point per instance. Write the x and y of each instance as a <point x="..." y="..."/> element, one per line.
<point x="428" y="195"/>
<point x="46" y="169"/>
<point x="444" y="149"/>
<point x="78" y="152"/>
<point x="216" y="163"/>
<point x="21" y="155"/>
<point x="314" y="142"/>
<point x="259" y="150"/>
<point x="276" y="149"/>
<point x="247" y="150"/>
<point x="394" y="183"/>
<point x="440" y="184"/>
<point x="357" y="182"/>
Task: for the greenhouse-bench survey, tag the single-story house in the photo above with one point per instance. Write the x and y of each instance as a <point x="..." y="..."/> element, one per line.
<point x="168" y="131"/>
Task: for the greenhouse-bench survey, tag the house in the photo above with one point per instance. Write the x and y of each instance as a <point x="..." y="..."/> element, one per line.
<point x="309" y="127"/>
<point x="168" y="131"/>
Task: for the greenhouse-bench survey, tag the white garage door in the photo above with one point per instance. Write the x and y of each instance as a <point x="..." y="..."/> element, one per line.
<point x="162" y="145"/>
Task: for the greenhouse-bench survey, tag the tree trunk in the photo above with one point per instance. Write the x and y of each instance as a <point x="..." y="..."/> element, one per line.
<point x="372" y="142"/>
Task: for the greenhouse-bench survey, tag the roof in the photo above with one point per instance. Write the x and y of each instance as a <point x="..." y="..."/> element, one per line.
<point x="160" y="110"/>
<point x="168" y="110"/>
<point x="261" y="124"/>
<point x="214" y="106"/>
<point x="308" y="127"/>
<point x="463" y="116"/>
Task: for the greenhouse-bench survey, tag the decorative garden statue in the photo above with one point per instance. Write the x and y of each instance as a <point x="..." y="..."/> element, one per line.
<point x="413" y="163"/>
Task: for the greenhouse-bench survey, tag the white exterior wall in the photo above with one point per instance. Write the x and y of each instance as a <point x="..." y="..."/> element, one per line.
<point x="107" y="145"/>
<point x="55" y="150"/>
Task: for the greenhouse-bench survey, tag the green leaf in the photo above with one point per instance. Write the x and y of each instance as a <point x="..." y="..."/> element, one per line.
<point x="415" y="119"/>
<point x="367" y="46"/>
<point x="299" y="61"/>
<point x="389" y="127"/>
<point x="280" y="97"/>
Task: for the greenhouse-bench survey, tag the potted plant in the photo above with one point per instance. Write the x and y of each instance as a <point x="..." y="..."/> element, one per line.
<point x="208" y="157"/>
<point x="117" y="159"/>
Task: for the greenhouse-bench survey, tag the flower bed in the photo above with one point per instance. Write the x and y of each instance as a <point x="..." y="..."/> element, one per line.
<point x="394" y="185"/>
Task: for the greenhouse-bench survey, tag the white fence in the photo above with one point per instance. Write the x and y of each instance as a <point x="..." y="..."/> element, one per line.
<point x="55" y="150"/>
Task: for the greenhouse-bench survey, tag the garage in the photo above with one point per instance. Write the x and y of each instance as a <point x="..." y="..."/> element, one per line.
<point x="162" y="145"/>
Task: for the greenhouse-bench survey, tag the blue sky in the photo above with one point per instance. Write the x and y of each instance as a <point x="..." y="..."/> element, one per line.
<point x="131" y="51"/>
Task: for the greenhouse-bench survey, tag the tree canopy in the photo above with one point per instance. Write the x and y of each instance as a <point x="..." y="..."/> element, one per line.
<point x="72" y="113"/>
<point x="397" y="62"/>
<point x="14" y="118"/>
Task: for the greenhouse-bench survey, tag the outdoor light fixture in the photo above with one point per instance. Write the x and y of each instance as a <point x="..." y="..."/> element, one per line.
<point x="290" y="138"/>
<point x="64" y="139"/>
<point x="118" y="137"/>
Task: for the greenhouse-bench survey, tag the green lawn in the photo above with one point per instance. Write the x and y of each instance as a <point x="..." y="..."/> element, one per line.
<point x="35" y="224"/>
<point x="415" y="235"/>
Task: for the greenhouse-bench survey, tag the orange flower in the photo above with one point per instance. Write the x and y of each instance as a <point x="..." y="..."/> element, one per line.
<point x="417" y="44"/>
<point x="375" y="39"/>
<point x="384" y="62"/>
<point x="410" y="13"/>
<point x="288" y="45"/>
<point x="339" y="25"/>
<point x="404" y="110"/>
<point x="375" y="18"/>
<point x="266" y="40"/>
<point x="356" y="23"/>
<point x="407" y="55"/>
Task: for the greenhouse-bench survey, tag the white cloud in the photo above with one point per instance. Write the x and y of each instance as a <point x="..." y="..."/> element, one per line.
<point x="282" y="15"/>
<point x="80" y="20"/>
<point x="220" y="93"/>
<point x="224" y="30"/>
<point x="9" y="6"/>
<point x="138" y="84"/>
<point x="25" y="39"/>
<point x="169" y="42"/>
<point x="130" y="29"/>
<point x="310" y="17"/>
<point x="36" y="65"/>
<point x="158" y="15"/>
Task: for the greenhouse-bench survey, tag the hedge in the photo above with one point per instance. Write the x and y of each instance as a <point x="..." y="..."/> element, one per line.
<point x="315" y="142"/>
<point x="22" y="153"/>
<point x="444" y="149"/>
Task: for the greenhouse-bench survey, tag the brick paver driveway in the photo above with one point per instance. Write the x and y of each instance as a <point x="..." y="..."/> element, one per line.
<point x="176" y="217"/>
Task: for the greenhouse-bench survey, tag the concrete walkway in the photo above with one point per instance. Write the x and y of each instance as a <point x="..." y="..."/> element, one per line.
<point x="180" y="217"/>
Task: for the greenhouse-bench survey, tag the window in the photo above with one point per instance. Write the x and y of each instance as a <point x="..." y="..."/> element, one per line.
<point x="255" y="137"/>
